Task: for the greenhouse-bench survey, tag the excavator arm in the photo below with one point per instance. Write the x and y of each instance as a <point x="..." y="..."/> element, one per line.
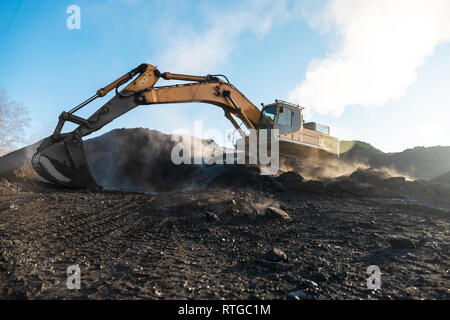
<point x="61" y="158"/>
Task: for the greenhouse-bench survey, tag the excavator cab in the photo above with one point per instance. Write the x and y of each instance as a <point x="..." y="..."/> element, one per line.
<point x="298" y="139"/>
<point x="281" y="115"/>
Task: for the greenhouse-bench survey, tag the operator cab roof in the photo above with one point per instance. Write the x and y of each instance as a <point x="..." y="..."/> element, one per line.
<point x="282" y="102"/>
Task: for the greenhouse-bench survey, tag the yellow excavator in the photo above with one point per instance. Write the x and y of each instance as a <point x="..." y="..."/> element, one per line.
<point x="61" y="159"/>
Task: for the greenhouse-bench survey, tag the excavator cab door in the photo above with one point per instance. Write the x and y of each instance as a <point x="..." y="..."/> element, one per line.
<point x="267" y="119"/>
<point x="287" y="119"/>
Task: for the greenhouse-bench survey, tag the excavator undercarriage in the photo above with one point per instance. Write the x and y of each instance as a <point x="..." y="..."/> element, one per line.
<point x="61" y="158"/>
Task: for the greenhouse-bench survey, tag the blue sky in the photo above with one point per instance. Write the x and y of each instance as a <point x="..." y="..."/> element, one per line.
<point x="266" y="49"/>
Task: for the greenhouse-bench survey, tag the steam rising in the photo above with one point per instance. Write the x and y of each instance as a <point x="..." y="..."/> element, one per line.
<point x="322" y="169"/>
<point x="380" y="46"/>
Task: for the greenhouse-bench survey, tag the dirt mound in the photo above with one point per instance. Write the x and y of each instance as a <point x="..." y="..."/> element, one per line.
<point x="367" y="183"/>
<point x="290" y="178"/>
<point x="17" y="164"/>
<point x="131" y="159"/>
<point x="442" y="179"/>
<point x="369" y="175"/>
<point x="240" y="176"/>
<point x="140" y="159"/>
<point x="128" y="159"/>
<point x="419" y="162"/>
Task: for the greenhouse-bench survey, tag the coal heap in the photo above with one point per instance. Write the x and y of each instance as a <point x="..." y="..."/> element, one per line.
<point x="140" y="159"/>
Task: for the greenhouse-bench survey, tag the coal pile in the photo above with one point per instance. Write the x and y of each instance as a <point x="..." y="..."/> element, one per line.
<point x="140" y="160"/>
<point x="240" y="176"/>
<point x="128" y="160"/>
<point x="136" y="159"/>
<point x="368" y="183"/>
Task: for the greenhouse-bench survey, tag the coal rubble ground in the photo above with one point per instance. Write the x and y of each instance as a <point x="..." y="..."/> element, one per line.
<point x="240" y="236"/>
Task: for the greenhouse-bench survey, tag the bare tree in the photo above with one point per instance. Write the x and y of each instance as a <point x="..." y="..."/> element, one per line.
<point x="13" y="120"/>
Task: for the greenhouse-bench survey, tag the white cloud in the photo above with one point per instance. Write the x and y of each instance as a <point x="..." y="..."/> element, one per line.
<point x="430" y="131"/>
<point x="204" y="52"/>
<point x="380" y="45"/>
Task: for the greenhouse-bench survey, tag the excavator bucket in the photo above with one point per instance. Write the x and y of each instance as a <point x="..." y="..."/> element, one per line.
<point x="64" y="163"/>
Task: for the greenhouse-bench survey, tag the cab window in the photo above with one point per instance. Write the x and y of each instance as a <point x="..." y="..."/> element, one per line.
<point x="288" y="120"/>
<point x="285" y="117"/>
<point x="267" y="117"/>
